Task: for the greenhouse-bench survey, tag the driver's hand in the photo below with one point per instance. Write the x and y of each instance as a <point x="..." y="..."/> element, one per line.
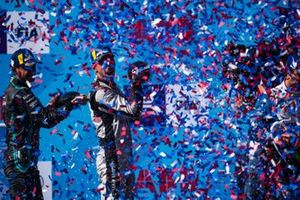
<point x="80" y="100"/>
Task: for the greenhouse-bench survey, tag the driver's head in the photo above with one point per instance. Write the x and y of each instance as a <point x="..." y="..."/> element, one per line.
<point x="293" y="66"/>
<point x="103" y="63"/>
<point x="23" y="64"/>
<point x="292" y="80"/>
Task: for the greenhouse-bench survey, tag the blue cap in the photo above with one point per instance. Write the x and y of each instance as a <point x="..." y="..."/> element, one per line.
<point x="25" y="59"/>
<point x="98" y="55"/>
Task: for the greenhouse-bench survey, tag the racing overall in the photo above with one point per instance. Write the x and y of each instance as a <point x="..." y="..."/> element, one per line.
<point x="111" y="114"/>
<point x="23" y="116"/>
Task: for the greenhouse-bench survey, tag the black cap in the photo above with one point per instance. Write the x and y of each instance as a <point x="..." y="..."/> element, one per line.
<point x="98" y="55"/>
<point x="139" y="68"/>
<point x="139" y="64"/>
<point x="25" y="59"/>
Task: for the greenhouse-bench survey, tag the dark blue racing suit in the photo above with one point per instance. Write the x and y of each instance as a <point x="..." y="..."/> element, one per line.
<point x="24" y="115"/>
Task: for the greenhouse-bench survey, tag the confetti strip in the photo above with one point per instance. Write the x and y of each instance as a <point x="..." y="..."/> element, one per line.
<point x="214" y="64"/>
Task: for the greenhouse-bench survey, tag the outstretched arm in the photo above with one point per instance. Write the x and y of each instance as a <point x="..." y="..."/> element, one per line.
<point x="61" y="105"/>
<point x="46" y="117"/>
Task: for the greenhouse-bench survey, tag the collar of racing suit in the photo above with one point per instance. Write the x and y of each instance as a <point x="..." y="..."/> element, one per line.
<point x="17" y="83"/>
<point x="105" y="83"/>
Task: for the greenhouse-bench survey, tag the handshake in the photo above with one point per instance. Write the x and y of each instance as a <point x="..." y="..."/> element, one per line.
<point x="138" y="73"/>
<point x="67" y="101"/>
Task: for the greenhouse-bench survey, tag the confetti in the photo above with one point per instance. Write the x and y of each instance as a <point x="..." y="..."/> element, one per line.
<point x="213" y="63"/>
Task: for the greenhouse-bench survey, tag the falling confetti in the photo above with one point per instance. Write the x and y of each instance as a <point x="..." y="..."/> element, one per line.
<point x="213" y="65"/>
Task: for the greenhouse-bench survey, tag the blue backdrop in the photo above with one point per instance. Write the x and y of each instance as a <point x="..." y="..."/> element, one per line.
<point x="186" y="148"/>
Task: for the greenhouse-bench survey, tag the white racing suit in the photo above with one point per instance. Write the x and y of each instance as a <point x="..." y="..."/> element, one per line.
<point x="111" y="114"/>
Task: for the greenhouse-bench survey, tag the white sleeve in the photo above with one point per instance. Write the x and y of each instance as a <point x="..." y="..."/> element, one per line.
<point x="108" y="98"/>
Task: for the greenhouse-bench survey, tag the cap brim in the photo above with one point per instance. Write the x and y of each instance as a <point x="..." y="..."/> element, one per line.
<point x="38" y="61"/>
<point x="32" y="62"/>
<point x="103" y="56"/>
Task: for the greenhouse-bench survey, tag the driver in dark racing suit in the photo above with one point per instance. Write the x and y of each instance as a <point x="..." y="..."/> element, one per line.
<point x="23" y="116"/>
<point x="274" y="171"/>
<point x="111" y="115"/>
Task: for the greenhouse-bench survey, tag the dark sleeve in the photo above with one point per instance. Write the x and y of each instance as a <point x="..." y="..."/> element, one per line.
<point x="52" y="116"/>
<point x="46" y="117"/>
<point x="113" y="101"/>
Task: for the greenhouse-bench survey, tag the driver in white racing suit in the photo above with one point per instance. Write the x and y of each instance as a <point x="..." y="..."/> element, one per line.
<point x="112" y="114"/>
